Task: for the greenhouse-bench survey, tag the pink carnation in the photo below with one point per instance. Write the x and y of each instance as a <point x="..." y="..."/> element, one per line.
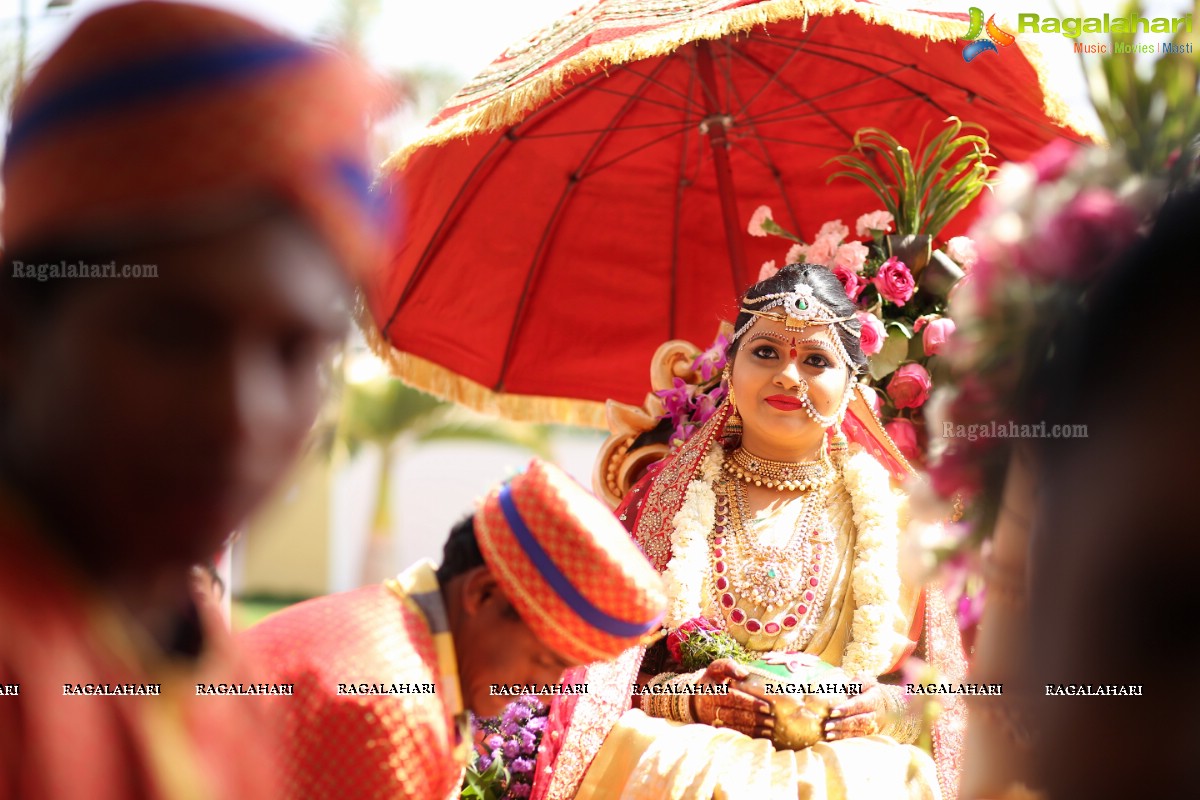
<point x="1051" y="162"/>
<point x="852" y="282"/>
<point x="867" y="224"/>
<point x="795" y="254"/>
<point x="822" y="251"/>
<point x="760" y="215"/>
<point x="767" y="270"/>
<point x="909" y="386"/>
<point x="851" y="255"/>
<point x="834" y="229"/>
<point x="873" y="333"/>
<point x="894" y="281"/>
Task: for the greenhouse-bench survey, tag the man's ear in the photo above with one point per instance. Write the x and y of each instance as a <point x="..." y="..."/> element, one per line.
<point x="478" y="586"/>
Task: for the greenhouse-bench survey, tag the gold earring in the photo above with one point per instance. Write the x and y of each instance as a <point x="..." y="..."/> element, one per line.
<point x="733" y="424"/>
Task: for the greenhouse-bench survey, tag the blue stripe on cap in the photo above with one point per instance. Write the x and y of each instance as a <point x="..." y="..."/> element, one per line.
<point x="152" y="79"/>
<point x="559" y="582"/>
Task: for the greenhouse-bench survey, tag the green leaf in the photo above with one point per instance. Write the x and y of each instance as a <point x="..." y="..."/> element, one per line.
<point x="899" y="326"/>
<point x="885" y="362"/>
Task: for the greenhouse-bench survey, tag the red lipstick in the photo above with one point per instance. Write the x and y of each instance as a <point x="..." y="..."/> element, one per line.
<point x="784" y="402"/>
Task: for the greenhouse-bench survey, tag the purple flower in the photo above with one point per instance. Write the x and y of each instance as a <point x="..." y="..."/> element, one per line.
<point x="522" y="766"/>
<point x="519" y="790"/>
<point x="494" y="741"/>
<point x="677" y="402"/>
<point x="536" y="725"/>
<point x="528" y="742"/>
<point x="712" y="360"/>
<point x="483" y="762"/>
<point x="511" y="749"/>
<point x="706" y="406"/>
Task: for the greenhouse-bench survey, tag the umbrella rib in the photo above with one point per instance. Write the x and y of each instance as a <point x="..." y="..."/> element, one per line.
<point x="449" y="219"/>
<point x="593" y="131"/>
<point x="539" y="253"/>
<point x="792" y="54"/>
<point x="644" y="101"/>
<point x="634" y="151"/>
<point x="677" y="219"/>
<point x="653" y="78"/>
<point x="766" y="160"/>
<point x="754" y="62"/>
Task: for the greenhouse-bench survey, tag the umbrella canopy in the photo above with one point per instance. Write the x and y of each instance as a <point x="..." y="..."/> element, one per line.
<point x="585" y="198"/>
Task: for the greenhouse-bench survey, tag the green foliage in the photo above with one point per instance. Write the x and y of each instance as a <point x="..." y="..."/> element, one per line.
<point x="925" y="193"/>
<point x="486" y="785"/>
<point x="701" y="648"/>
<point x="1152" y="114"/>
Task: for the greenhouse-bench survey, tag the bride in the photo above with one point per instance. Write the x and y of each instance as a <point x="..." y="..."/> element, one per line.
<point x="767" y="525"/>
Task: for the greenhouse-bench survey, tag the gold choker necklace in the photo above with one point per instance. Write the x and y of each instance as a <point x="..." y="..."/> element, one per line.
<point x="782" y="476"/>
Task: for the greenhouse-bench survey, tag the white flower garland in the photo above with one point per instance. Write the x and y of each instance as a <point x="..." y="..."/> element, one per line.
<point x="874" y="580"/>
<point x="687" y="570"/>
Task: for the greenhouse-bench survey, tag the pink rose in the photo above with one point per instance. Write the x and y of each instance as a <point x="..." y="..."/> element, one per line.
<point x="851" y="255"/>
<point x="873" y="333"/>
<point x="937" y="332"/>
<point x="767" y="270"/>
<point x="894" y="281"/>
<point x="822" y="251"/>
<point x="795" y="254"/>
<point x="909" y="386"/>
<point x="760" y="215"/>
<point x="834" y="229"/>
<point x="904" y="434"/>
<point x="867" y="224"/>
<point x="961" y="250"/>
<point x="1084" y="237"/>
<point x="852" y="282"/>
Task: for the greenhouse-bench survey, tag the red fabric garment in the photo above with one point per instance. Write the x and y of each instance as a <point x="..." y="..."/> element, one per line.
<point x="55" y="630"/>
<point x="349" y="746"/>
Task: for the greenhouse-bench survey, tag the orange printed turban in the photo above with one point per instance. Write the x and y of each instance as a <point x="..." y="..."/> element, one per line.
<point x="152" y="112"/>
<point x="568" y="567"/>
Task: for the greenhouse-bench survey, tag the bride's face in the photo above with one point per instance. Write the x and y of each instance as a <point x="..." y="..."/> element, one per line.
<point x="772" y="369"/>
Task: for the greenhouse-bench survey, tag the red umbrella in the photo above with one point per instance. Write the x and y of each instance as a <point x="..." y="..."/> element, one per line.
<point x="585" y="198"/>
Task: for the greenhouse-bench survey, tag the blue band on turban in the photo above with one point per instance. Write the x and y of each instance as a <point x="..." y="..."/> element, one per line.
<point x="560" y="583"/>
<point x="149" y="80"/>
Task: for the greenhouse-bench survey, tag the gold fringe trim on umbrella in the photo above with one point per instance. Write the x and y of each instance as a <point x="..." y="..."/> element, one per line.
<point x="510" y="107"/>
<point x="446" y="384"/>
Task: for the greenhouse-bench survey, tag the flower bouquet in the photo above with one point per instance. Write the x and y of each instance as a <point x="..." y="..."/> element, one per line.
<point x="504" y="768"/>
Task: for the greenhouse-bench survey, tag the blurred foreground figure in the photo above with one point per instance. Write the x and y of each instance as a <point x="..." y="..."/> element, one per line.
<point x="540" y="579"/>
<point x="1114" y="546"/>
<point x="185" y="208"/>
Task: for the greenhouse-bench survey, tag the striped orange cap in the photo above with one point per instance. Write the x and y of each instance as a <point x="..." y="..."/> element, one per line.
<point x="568" y="567"/>
<point x="151" y="112"/>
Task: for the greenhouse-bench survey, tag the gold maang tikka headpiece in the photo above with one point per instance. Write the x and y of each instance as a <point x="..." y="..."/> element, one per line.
<point x="801" y="309"/>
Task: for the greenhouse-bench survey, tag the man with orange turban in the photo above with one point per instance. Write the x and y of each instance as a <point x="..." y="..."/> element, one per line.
<point x="186" y="207"/>
<point x="542" y="578"/>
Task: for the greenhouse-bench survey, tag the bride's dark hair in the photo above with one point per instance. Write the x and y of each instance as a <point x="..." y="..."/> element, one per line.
<point x="826" y="288"/>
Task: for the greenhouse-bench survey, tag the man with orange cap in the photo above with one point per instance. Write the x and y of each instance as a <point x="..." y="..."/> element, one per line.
<point x="186" y="207"/>
<point x="540" y="579"/>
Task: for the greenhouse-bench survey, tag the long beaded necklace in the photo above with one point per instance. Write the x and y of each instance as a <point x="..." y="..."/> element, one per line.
<point x="789" y="583"/>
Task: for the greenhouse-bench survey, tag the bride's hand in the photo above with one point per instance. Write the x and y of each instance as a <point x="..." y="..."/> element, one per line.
<point x="861" y="715"/>
<point x="738" y="710"/>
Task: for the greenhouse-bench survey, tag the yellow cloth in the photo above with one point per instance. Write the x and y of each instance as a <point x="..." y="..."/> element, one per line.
<point x="645" y="758"/>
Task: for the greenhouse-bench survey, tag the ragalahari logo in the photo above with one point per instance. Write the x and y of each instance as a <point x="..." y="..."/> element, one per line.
<point x="982" y="44"/>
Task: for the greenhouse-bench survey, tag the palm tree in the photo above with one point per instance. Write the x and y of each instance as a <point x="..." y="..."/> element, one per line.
<point x="389" y="415"/>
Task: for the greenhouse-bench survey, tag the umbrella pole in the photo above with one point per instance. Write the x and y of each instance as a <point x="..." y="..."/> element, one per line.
<point x="715" y="125"/>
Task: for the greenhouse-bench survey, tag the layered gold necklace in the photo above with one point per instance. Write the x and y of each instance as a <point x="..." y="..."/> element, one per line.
<point x="782" y="476"/>
<point x="787" y="583"/>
